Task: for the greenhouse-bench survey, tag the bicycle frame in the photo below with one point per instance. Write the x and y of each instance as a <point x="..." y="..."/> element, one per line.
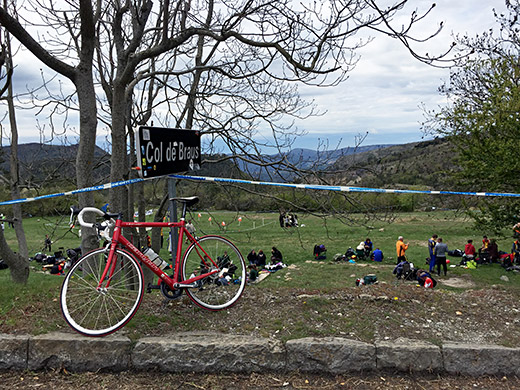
<point x="173" y="282"/>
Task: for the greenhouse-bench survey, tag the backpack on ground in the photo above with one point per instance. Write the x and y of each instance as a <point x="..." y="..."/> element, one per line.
<point x="320" y="252"/>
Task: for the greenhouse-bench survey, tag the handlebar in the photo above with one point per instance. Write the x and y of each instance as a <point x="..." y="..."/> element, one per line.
<point x="87" y="210"/>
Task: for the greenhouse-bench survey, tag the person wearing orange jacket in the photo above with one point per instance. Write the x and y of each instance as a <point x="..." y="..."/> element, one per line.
<point x="401" y="248"/>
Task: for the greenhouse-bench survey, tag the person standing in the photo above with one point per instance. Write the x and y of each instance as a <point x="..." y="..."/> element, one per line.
<point x="431" y="245"/>
<point x="401" y="248"/>
<point x="47" y="243"/>
<point x="440" y="251"/>
<point x="516" y="251"/>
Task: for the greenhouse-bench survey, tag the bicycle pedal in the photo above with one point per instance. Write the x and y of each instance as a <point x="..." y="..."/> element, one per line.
<point x="152" y="287"/>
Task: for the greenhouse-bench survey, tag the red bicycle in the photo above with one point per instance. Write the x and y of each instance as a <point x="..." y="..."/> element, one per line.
<point x="103" y="290"/>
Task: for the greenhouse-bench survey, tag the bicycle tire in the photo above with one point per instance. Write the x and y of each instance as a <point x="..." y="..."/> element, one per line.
<point x="220" y="290"/>
<point x="94" y="312"/>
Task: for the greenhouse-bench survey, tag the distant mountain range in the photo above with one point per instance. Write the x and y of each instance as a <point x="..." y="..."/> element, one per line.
<point x="304" y="159"/>
<point x="420" y="163"/>
<point x="40" y="162"/>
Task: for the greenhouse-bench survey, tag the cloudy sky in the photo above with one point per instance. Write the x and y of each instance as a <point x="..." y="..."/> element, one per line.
<point x="383" y="95"/>
<point x="385" y="91"/>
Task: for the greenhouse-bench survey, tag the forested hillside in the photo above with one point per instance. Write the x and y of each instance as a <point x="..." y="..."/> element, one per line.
<point x="41" y="162"/>
<point x="426" y="164"/>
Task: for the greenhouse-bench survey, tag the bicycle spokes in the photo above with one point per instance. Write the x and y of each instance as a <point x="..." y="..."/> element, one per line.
<point x="225" y="267"/>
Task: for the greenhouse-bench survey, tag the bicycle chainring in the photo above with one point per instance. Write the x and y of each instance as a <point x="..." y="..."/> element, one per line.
<point x="169" y="293"/>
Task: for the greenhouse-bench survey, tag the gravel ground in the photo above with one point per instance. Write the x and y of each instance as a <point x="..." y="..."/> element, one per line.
<point x="131" y="381"/>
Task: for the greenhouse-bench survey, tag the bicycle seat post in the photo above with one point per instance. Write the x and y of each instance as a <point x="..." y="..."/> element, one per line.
<point x="184" y="208"/>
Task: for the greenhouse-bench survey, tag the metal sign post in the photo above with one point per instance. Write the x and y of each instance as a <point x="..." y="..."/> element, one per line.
<point x="162" y="151"/>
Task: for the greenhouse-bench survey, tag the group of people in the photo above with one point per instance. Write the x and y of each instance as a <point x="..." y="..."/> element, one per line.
<point x="258" y="260"/>
<point x="438" y="251"/>
<point x="366" y="248"/>
<point x="489" y="253"/>
<point x="288" y="219"/>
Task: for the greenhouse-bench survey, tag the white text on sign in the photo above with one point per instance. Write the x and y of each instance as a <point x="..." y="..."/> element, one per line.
<point x="155" y="154"/>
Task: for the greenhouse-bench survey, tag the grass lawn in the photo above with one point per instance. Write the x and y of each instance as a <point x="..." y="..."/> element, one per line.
<point x="308" y="298"/>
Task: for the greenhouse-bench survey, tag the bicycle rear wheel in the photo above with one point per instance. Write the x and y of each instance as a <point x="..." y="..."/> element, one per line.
<point x="94" y="311"/>
<point x="222" y="289"/>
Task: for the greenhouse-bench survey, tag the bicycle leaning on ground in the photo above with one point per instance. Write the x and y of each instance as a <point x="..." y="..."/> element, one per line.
<point x="103" y="290"/>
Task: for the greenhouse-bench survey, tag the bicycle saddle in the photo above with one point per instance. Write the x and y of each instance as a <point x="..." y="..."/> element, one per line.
<point x="189" y="201"/>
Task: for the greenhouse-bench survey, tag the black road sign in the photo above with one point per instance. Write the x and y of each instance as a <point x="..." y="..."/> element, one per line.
<point x="161" y="151"/>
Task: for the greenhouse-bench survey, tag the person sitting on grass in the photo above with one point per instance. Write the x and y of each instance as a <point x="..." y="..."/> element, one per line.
<point x="276" y="256"/>
<point x="469" y="250"/>
<point x="253" y="273"/>
<point x="369" y="246"/>
<point x="252" y="257"/>
<point x="261" y="258"/>
<point x="377" y="255"/>
<point x="493" y="251"/>
<point x="425" y="279"/>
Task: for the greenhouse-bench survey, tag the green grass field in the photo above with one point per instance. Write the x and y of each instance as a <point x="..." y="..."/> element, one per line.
<point x="262" y="231"/>
<point x="38" y="300"/>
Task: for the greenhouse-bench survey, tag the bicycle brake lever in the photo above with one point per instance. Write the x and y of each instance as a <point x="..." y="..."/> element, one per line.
<point x="74" y="211"/>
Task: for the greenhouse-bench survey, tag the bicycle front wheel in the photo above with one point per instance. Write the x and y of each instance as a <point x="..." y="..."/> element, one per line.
<point x="222" y="289"/>
<point x="95" y="309"/>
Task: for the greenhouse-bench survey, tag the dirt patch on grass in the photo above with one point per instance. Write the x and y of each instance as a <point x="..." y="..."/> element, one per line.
<point x="369" y="313"/>
<point x="457" y="283"/>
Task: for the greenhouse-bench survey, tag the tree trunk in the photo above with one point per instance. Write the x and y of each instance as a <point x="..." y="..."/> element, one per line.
<point x="119" y="168"/>
<point x="15" y="180"/>
<point x="18" y="265"/>
<point x="86" y="147"/>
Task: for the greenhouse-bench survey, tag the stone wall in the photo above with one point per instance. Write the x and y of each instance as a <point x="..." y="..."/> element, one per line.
<point x="213" y="353"/>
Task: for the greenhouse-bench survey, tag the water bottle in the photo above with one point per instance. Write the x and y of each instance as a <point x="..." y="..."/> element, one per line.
<point x="155" y="258"/>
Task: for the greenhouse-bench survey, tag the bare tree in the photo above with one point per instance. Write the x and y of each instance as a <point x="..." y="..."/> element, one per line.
<point x="80" y="31"/>
<point x="18" y="264"/>
<point x="229" y="64"/>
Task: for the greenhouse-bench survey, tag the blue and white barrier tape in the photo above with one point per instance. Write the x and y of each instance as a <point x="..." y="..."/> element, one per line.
<point x="345" y="188"/>
<point x="263" y="183"/>
<point x="74" y="192"/>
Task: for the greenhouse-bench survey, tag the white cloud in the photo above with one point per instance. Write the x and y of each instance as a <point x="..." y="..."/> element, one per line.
<point x="384" y="92"/>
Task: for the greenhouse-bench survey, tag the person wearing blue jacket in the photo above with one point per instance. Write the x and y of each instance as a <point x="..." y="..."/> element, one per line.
<point x="377" y="255"/>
